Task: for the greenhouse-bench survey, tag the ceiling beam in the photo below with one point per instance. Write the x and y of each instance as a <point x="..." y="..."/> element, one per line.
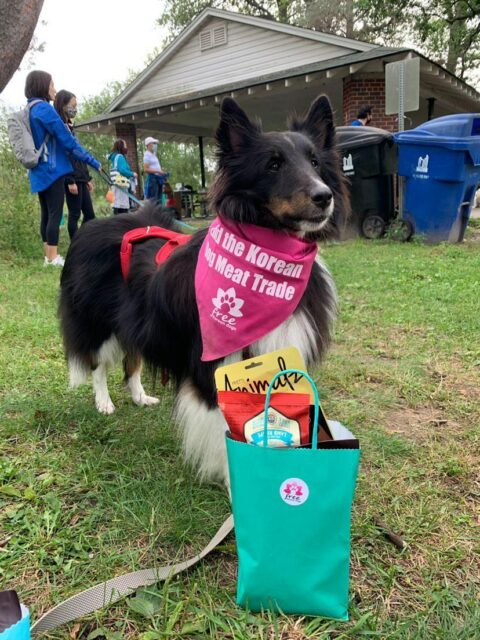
<point x="180" y="129"/>
<point x="339" y="72"/>
<point x="354" y="68"/>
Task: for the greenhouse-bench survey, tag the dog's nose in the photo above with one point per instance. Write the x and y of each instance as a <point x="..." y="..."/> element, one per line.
<point x="322" y="198"/>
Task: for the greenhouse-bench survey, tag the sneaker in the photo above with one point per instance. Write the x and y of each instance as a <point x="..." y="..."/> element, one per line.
<point x="58" y="261"/>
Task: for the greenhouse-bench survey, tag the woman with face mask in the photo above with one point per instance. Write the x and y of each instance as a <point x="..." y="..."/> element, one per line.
<point x="156" y="177"/>
<point x="47" y="178"/>
<point x="78" y="184"/>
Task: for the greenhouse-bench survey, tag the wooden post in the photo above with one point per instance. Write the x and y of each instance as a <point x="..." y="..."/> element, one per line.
<point x="202" y="160"/>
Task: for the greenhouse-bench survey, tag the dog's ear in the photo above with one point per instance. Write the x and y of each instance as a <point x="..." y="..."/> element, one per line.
<point x="317" y="123"/>
<point x="235" y="130"/>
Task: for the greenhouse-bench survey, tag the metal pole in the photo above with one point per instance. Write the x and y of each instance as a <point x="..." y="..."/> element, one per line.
<point x="401" y="127"/>
<point x="202" y="160"/>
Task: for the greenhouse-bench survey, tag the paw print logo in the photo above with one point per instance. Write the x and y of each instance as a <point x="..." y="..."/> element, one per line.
<point x="227" y="302"/>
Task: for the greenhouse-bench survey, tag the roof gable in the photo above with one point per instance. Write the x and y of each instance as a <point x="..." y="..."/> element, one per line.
<point x="253" y="47"/>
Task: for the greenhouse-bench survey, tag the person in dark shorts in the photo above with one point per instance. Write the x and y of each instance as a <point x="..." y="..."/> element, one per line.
<point x="78" y="184"/>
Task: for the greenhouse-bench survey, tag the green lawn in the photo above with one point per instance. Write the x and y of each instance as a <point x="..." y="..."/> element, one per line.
<point x="84" y="497"/>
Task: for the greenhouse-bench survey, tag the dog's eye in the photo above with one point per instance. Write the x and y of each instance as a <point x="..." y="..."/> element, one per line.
<point x="274" y="165"/>
<point x="314" y="161"/>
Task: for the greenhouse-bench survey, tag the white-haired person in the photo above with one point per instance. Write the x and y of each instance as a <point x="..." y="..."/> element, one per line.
<point x="156" y="177"/>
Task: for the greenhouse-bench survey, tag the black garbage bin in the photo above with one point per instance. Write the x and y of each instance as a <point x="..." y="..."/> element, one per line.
<point x="369" y="161"/>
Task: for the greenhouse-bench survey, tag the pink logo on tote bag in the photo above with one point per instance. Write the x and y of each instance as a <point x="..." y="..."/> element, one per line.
<point x="294" y="491"/>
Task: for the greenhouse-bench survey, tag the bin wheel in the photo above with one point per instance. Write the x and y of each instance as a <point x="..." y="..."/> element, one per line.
<point x="373" y="227"/>
<point x="401" y="230"/>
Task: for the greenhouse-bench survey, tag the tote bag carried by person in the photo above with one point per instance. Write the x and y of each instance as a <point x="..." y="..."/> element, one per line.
<point x="291" y="510"/>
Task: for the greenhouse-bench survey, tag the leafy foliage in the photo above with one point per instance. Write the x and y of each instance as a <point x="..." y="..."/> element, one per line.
<point x="450" y="30"/>
<point x="19" y="215"/>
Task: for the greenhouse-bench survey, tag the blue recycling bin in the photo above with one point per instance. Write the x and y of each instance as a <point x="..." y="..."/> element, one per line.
<point x="440" y="161"/>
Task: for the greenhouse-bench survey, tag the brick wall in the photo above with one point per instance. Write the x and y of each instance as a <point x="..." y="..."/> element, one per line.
<point x="128" y="132"/>
<point x="363" y="91"/>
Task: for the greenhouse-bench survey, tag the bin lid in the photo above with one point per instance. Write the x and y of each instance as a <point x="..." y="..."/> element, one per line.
<point x="353" y="137"/>
<point x="458" y="125"/>
<point x="460" y="132"/>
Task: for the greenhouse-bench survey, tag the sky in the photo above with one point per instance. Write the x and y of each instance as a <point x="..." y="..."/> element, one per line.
<point x="90" y="43"/>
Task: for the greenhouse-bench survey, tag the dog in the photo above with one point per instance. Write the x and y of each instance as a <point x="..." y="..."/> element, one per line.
<point x="288" y="181"/>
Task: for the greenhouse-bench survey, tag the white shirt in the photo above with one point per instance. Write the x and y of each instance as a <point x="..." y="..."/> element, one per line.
<point x="150" y="159"/>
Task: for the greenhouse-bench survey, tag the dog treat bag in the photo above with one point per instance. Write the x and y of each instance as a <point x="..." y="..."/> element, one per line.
<point x="254" y="375"/>
<point x="288" y="417"/>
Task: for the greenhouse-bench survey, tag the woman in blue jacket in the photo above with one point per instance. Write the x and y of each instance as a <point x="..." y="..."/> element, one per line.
<point x="48" y="177"/>
<point x="120" y="167"/>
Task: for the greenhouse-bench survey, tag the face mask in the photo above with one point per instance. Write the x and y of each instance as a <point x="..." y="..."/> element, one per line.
<point x="71" y="112"/>
<point x="155" y="148"/>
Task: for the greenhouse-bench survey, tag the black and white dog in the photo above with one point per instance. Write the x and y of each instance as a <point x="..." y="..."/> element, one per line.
<point x="289" y="181"/>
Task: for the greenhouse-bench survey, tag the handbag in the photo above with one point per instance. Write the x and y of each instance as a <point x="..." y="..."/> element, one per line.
<point x="114" y="172"/>
<point x="291" y="510"/>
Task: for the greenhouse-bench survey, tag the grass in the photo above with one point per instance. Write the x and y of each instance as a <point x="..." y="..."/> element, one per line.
<point x="84" y="497"/>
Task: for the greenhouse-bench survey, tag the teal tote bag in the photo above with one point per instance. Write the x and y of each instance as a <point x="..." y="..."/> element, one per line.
<point x="291" y="510"/>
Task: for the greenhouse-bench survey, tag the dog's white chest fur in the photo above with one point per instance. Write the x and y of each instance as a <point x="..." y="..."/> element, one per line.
<point x="297" y="331"/>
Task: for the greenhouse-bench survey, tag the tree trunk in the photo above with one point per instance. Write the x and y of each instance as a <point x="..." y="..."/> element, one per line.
<point x="456" y="35"/>
<point x="349" y="19"/>
<point x="18" y="19"/>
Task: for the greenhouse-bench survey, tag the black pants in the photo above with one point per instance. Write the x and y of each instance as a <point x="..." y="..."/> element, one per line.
<point x="119" y="210"/>
<point x="51" y="206"/>
<point x="78" y="204"/>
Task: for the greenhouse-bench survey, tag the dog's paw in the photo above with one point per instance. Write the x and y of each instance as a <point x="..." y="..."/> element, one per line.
<point x="105" y="406"/>
<point x="145" y="401"/>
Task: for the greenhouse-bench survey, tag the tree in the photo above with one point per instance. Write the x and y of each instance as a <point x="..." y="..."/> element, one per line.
<point x="450" y="33"/>
<point x="178" y="14"/>
<point x="18" y="19"/>
<point x="351" y="18"/>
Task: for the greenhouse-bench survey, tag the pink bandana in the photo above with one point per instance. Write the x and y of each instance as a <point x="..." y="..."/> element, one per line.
<point x="248" y="281"/>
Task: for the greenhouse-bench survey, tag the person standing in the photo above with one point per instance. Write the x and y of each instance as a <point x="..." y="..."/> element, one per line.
<point x="156" y="177"/>
<point x="47" y="178"/>
<point x="78" y="184"/>
<point x="364" y="117"/>
<point x="121" y="168"/>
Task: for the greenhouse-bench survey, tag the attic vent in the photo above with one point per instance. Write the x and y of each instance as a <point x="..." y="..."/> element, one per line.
<point x="220" y="35"/>
<point x="214" y="37"/>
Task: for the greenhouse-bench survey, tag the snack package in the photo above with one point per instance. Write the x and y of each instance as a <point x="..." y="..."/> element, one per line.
<point x="288" y="417"/>
<point x="254" y="375"/>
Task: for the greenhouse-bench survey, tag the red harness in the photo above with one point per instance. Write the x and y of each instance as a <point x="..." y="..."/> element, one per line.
<point x="174" y="240"/>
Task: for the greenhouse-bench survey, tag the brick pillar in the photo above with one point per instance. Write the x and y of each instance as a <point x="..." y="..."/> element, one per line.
<point x="367" y="91"/>
<point x="128" y="132"/>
